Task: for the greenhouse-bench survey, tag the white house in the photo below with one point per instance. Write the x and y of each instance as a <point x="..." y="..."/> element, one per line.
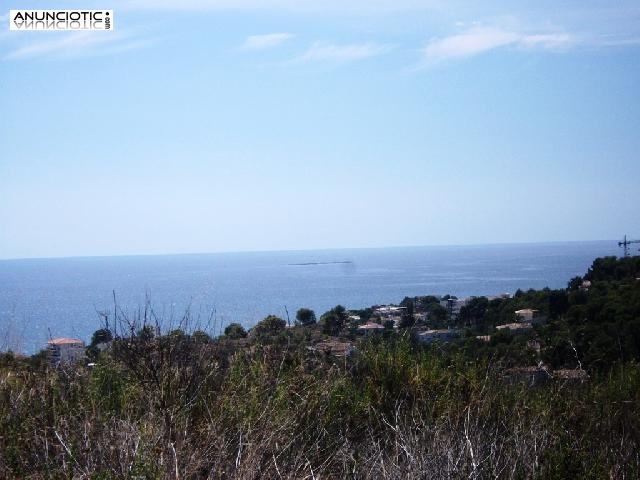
<point x="530" y="315"/>
<point x="66" y="350"/>
<point x="526" y="314"/>
<point x="370" y="327"/>
<point x="516" y="327"/>
<point x="389" y="311"/>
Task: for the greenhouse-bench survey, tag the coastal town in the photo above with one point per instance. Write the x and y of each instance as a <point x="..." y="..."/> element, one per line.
<point x="429" y="320"/>
<point x="375" y="320"/>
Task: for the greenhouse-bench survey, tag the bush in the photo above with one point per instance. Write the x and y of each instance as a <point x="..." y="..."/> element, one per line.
<point x="306" y="317"/>
<point x="235" y="331"/>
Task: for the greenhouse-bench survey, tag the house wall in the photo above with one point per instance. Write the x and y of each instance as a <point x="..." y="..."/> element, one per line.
<point x="66" y="353"/>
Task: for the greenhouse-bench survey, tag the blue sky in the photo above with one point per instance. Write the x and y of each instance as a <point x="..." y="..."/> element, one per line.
<point x="220" y="125"/>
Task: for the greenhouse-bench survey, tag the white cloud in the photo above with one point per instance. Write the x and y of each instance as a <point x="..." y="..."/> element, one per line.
<point x="342" y="53"/>
<point x="549" y="41"/>
<point x="78" y="44"/>
<point x="262" y="42"/>
<point x="479" y="40"/>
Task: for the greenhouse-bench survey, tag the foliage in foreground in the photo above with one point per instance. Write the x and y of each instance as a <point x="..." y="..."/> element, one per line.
<point x="266" y="405"/>
<point x="393" y="411"/>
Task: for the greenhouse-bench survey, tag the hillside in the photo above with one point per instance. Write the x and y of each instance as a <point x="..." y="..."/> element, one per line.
<point x="323" y="400"/>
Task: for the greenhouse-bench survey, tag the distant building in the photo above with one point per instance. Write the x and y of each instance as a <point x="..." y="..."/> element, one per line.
<point x="515" y="327"/>
<point x="502" y="296"/>
<point x="526" y="314"/>
<point x="420" y="317"/>
<point x="453" y="305"/>
<point x="431" y="336"/>
<point x="66" y="350"/>
<point x="388" y="311"/>
<point x="530" y="315"/>
<point x="370" y="327"/>
<point x="586" y="285"/>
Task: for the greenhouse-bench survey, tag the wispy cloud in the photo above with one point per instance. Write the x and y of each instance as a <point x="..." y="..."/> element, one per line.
<point x="262" y="42"/>
<point x="478" y="40"/>
<point x="75" y="44"/>
<point x="343" y="53"/>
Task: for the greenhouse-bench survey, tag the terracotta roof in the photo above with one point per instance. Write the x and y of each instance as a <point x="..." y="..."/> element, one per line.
<point x="65" y="341"/>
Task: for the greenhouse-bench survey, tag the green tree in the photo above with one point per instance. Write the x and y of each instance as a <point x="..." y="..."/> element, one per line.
<point x="408" y="320"/>
<point x="558" y="303"/>
<point x="305" y="316"/>
<point x="146" y="333"/>
<point x="437" y="315"/>
<point x="102" y="335"/>
<point x="334" y="320"/>
<point x="201" y="336"/>
<point x="574" y="283"/>
<point x="270" y="327"/>
<point x="235" y="331"/>
<point x="473" y="312"/>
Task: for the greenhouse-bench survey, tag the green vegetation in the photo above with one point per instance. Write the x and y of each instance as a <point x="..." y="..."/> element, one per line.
<point x="334" y="321"/>
<point x="305" y="316"/>
<point x="184" y="405"/>
<point x="235" y="331"/>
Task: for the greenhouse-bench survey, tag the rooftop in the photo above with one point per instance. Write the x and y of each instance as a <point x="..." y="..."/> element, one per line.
<point x="389" y="308"/>
<point x="514" y="326"/>
<point x="370" y="326"/>
<point x="65" y="341"/>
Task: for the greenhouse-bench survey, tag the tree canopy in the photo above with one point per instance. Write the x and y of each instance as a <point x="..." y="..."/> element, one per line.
<point x="305" y="316"/>
<point x="268" y="328"/>
<point x="235" y="331"/>
<point x="334" y="320"/>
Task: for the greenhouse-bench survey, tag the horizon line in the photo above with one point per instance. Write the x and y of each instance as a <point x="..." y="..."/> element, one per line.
<point x="283" y="250"/>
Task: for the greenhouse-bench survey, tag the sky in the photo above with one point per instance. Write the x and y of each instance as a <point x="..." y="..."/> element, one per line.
<point x="233" y="125"/>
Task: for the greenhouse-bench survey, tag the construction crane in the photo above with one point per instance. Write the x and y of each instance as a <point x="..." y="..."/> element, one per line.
<point x="625" y="244"/>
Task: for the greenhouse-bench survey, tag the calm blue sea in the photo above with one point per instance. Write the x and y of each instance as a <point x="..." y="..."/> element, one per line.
<point x="62" y="297"/>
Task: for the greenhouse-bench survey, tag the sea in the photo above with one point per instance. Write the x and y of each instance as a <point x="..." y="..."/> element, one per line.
<point x="71" y="297"/>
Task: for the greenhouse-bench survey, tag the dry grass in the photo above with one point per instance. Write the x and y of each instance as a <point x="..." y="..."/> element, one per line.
<point x="272" y="412"/>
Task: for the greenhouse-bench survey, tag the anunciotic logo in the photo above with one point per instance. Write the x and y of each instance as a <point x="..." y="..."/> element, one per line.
<point x="61" y="19"/>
